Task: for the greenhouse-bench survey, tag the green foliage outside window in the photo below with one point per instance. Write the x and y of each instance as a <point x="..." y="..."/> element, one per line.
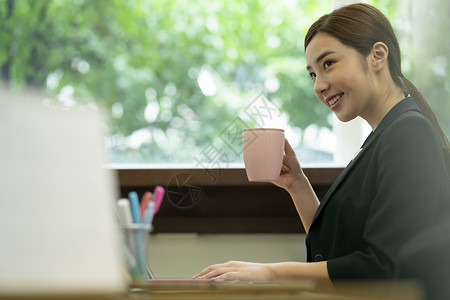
<point x="171" y="74"/>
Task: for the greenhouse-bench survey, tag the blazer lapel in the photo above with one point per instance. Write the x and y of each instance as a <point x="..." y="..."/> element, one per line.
<point x="338" y="182"/>
<point x="405" y="105"/>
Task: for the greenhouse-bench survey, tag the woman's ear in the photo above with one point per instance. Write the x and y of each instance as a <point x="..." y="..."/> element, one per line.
<point x="379" y="55"/>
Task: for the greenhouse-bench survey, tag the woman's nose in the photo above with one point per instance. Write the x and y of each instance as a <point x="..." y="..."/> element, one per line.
<point x="320" y="85"/>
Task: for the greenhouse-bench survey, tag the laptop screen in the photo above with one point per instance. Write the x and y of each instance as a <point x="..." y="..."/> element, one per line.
<point x="57" y="226"/>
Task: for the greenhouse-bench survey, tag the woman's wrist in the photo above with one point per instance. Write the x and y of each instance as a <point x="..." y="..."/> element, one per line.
<point x="316" y="272"/>
<point x="299" y="185"/>
<point x="270" y="273"/>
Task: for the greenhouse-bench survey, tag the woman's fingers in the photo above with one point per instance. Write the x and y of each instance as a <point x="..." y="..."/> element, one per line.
<point x="211" y="274"/>
<point x="288" y="150"/>
<point x="229" y="276"/>
<point x="289" y="157"/>
<point x="234" y="270"/>
<point x="212" y="271"/>
<point x="205" y="271"/>
<point x="285" y="168"/>
<point x="290" y="160"/>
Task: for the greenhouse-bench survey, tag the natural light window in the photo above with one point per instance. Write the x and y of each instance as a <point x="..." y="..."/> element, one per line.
<point x="179" y="79"/>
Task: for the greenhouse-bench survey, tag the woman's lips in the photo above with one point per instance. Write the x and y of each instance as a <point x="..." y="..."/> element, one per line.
<point x="334" y="100"/>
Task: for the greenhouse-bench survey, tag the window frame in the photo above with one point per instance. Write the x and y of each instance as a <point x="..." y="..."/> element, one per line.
<point x="229" y="204"/>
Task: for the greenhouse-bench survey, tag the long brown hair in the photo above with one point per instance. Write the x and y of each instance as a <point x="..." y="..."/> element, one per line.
<point x="360" y="26"/>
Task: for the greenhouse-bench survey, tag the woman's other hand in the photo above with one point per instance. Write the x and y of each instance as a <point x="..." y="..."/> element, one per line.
<point x="236" y="270"/>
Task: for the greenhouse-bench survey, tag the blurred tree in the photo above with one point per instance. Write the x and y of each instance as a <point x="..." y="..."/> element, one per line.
<point x="171" y="74"/>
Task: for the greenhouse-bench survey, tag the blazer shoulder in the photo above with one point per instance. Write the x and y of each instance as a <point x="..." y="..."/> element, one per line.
<point x="405" y="110"/>
<point x="411" y="123"/>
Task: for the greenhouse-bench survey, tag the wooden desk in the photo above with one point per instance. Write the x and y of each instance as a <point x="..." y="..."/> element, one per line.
<point x="302" y="290"/>
<point x="248" y="291"/>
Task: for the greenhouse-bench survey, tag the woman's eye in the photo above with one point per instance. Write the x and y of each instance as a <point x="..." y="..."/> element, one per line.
<point x="312" y="75"/>
<point x="327" y="64"/>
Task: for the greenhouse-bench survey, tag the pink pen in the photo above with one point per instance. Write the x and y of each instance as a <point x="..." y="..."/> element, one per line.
<point x="144" y="203"/>
<point x="158" y="195"/>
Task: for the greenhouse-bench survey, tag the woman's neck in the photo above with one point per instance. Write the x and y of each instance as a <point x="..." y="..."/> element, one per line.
<point x="388" y="96"/>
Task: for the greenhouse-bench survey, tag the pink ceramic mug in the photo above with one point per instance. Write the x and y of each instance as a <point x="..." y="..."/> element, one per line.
<point x="263" y="150"/>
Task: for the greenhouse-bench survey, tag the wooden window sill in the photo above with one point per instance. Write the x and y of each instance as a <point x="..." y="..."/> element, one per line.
<point x="220" y="200"/>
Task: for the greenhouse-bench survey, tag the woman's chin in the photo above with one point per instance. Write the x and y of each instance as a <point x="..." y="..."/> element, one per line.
<point x="344" y="118"/>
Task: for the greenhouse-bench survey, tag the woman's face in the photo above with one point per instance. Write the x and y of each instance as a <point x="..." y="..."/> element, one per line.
<point x="341" y="77"/>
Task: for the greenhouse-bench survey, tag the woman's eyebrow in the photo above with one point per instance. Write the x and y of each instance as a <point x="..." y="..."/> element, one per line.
<point x="320" y="57"/>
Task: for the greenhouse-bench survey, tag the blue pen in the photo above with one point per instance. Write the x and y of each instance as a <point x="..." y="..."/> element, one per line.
<point x="134" y="201"/>
<point x="149" y="213"/>
<point x="139" y="234"/>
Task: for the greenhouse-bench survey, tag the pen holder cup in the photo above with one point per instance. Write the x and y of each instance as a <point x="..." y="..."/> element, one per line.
<point x="135" y="241"/>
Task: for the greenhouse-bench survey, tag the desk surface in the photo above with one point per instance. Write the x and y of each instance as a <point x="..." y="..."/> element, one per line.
<point x="241" y="290"/>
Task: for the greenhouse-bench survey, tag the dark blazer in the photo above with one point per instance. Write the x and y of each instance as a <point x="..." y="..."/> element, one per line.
<point x="396" y="187"/>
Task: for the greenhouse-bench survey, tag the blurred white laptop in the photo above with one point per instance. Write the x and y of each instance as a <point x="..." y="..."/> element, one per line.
<point x="57" y="228"/>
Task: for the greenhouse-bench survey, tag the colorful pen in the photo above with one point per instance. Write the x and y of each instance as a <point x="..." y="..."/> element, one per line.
<point x="144" y="203"/>
<point x="134" y="202"/>
<point x="124" y="211"/>
<point x="158" y="195"/>
<point x="149" y="213"/>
